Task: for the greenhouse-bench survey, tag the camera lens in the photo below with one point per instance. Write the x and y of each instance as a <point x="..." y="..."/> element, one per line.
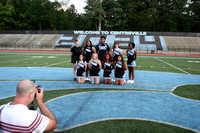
<point x="39" y="86"/>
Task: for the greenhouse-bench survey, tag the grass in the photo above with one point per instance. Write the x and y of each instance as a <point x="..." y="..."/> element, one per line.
<point x="188" y="91"/>
<point x="127" y="126"/>
<point x="189" y="65"/>
<point x="146" y="63"/>
<point x="35" y="60"/>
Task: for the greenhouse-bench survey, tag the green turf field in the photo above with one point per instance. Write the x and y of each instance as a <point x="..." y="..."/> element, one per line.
<point x="186" y="65"/>
<point x="127" y="126"/>
<point x="188" y="91"/>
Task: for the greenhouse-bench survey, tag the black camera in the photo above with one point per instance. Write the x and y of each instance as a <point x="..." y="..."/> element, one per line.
<point x="38" y="86"/>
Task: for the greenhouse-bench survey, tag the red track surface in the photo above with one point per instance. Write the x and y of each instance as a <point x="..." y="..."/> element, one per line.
<point x="65" y="52"/>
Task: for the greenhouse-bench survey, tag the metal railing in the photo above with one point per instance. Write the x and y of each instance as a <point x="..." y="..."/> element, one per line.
<point x="176" y="50"/>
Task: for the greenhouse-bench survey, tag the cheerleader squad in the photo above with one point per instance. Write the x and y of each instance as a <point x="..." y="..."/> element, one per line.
<point x="90" y="60"/>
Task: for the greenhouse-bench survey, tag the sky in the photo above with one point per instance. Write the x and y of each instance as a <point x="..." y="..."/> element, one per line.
<point x="79" y="4"/>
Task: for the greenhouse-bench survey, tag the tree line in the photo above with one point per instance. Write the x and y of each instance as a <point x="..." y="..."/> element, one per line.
<point x="123" y="15"/>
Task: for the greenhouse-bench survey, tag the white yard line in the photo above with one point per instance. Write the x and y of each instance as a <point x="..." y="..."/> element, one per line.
<point x="173" y="66"/>
<point x="56" y="63"/>
<point x="7" y="56"/>
<point x="14" y="60"/>
<point x="126" y="118"/>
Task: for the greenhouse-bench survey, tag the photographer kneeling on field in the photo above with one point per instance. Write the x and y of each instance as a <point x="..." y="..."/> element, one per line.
<point x="16" y="117"/>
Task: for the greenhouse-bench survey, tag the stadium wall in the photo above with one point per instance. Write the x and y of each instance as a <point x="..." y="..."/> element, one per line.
<point x="145" y="41"/>
<point x="189" y="34"/>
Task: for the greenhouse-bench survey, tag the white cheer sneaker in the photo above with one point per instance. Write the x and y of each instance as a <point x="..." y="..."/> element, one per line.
<point x="129" y="81"/>
<point x="132" y="82"/>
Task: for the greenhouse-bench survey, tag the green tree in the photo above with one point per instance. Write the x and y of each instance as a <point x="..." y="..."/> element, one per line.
<point x="7" y="14"/>
<point x="37" y="14"/>
<point x="20" y="7"/>
<point x="94" y="13"/>
<point x="113" y="17"/>
<point x="134" y="15"/>
<point x="55" y="16"/>
<point x="194" y="12"/>
<point x="71" y="14"/>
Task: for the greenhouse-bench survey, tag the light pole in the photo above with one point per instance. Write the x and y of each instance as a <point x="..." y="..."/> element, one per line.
<point x="100" y="15"/>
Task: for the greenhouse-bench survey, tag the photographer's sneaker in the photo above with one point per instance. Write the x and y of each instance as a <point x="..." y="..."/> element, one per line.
<point x="113" y="80"/>
<point x="129" y="81"/>
<point x="132" y="82"/>
<point x="86" y="79"/>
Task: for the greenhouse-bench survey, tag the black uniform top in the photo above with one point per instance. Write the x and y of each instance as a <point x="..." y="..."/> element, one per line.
<point x="119" y="70"/>
<point x="80" y="65"/>
<point x="76" y="52"/>
<point x="116" y="53"/>
<point x="88" y="53"/>
<point x="119" y="66"/>
<point x="107" y="65"/>
<point x="130" y="56"/>
<point x="94" y="68"/>
<point x="102" y="49"/>
<point x="80" y="68"/>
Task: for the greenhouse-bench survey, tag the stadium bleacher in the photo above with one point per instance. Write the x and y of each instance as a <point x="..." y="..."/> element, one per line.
<point x="145" y="43"/>
<point x="182" y="41"/>
<point x="27" y="40"/>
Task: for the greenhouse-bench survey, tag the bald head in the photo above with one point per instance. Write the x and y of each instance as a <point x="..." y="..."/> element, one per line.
<point x="25" y="87"/>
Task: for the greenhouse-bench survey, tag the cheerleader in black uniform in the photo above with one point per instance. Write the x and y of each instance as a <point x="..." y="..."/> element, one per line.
<point x="107" y="65"/>
<point x="120" y="67"/>
<point x="87" y="52"/>
<point x="131" y="62"/>
<point x="81" y="67"/>
<point x="116" y="51"/>
<point x="102" y="48"/>
<point x="95" y="66"/>
<point x="75" y="52"/>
